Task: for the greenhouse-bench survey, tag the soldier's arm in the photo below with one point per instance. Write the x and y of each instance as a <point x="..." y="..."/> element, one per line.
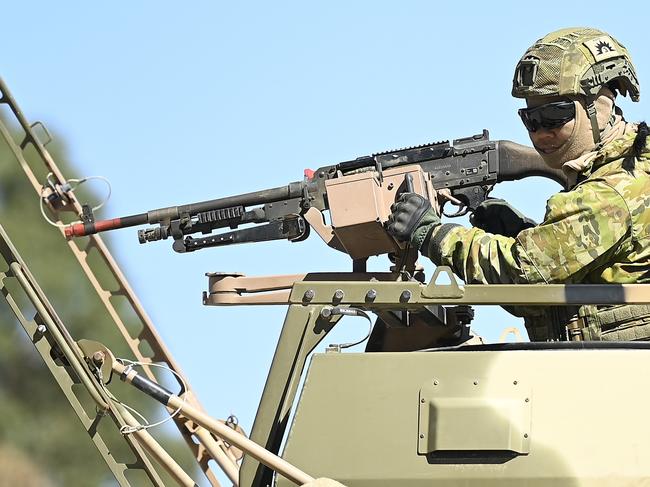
<point x="580" y="229"/>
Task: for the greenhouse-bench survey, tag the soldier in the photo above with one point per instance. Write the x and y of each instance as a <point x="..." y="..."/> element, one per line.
<point x="596" y="231"/>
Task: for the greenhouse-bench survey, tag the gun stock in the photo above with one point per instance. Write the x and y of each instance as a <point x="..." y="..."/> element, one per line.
<point x="519" y="161"/>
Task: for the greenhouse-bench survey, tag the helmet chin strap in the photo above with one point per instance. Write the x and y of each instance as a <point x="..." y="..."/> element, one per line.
<point x="593" y="118"/>
<point x="597" y="130"/>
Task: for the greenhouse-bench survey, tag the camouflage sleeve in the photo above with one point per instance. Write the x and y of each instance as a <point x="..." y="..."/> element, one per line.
<point x="580" y="230"/>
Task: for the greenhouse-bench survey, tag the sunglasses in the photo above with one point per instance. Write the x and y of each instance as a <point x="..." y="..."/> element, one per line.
<point x="549" y="116"/>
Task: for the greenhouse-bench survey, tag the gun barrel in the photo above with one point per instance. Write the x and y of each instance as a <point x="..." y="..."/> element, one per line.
<point x="160" y="215"/>
<point x="89" y="228"/>
<point x="291" y="190"/>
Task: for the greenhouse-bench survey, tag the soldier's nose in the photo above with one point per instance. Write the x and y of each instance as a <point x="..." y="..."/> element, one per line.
<point x="545" y="134"/>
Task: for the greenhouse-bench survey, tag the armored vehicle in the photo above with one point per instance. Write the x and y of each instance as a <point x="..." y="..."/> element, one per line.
<point x="426" y="403"/>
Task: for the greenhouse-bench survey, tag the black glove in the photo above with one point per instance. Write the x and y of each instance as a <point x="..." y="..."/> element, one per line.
<point x="497" y="216"/>
<point x="411" y="219"/>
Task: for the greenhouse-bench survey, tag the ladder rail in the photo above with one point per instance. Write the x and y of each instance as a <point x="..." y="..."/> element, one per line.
<point x="52" y="340"/>
<point x="200" y="444"/>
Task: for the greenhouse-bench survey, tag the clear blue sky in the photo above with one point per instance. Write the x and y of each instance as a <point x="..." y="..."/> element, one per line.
<point x="177" y="102"/>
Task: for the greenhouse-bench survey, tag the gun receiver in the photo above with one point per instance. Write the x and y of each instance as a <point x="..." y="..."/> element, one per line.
<point x="357" y="193"/>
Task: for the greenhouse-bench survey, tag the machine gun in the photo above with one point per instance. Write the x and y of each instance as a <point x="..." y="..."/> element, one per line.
<point x="357" y="193"/>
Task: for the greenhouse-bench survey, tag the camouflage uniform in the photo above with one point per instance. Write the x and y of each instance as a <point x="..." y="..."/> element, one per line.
<point x="598" y="232"/>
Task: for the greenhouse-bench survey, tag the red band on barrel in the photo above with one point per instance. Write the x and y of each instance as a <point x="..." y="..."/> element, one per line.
<point x="83" y="229"/>
<point x="104" y="225"/>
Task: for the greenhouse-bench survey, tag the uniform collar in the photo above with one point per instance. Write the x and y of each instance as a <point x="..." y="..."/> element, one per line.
<point x="584" y="166"/>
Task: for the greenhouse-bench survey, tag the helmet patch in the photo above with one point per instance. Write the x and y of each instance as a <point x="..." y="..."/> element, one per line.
<point x="602" y="48"/>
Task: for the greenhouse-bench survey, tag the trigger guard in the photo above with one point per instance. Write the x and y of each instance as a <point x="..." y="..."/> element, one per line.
<point x="463" y="210"/>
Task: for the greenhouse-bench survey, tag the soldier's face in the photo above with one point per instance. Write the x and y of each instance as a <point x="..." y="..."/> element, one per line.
<point x="549" y="140"/>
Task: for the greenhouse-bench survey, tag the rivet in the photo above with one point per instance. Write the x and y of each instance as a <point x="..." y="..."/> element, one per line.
<point x="422" y="400"/>
<point x="338" y="295"/>
<point x="309" y="295"/>
<point x="527" y="400"/>
<point x="435" y="382"/>
<point x="514" y="382"/>
<point x="41" y="329"/>
<point x="475" y="382"/>
<point x="371" y="295"/>
<point x="326" y="312"/>
<point x="525" y="435"/>
<point x="421" y="435"/>
<point x="405" y="296"/>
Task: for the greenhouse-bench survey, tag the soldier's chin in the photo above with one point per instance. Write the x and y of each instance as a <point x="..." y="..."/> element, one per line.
<point x="554" y="158"/>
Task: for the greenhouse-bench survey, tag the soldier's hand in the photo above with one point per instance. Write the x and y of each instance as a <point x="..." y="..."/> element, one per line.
<point x="411" y="219"/>
<point x="497" y="216"/>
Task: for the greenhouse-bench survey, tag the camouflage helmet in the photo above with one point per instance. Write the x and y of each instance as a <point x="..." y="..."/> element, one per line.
<point x="575" y="61"/>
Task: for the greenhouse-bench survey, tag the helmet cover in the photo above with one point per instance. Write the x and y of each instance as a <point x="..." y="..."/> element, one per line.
<point x="575" y="61"/>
